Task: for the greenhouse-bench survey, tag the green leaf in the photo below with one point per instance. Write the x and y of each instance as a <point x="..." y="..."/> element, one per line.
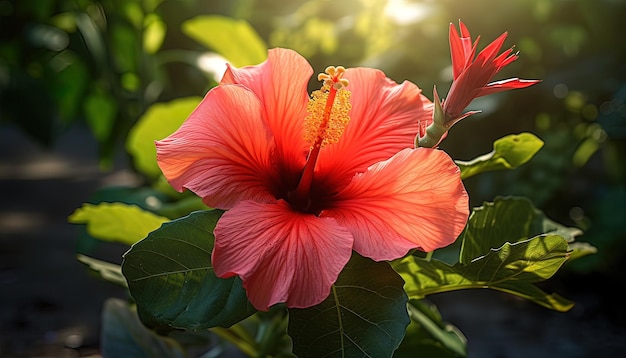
<point x="581" y="249"/>
<point x="511" y="268"/>
<point x="154" y="33"/>
<point x="67" y="86"/>
<point x="506" y="219"/>
<point x="151" y="5"/>
<point x="116" y="222"/>
<point x="132" y="11"/>
<point x="108" y="271"/>
<point x="126" y="41"/>
<point x="508" y="153"/>
<point x="493" y="224"/>
<point x="429" y="335"/>
<point x="100" y="112"/>
<point x="123" y="335"/>
<point x="543" y="225"/>
<point x="171" y="279"/>
<point x="144" y="197"/>
<point x="535" y="294"/>
<point x="234" y="39"/>
<point x="497" y="253"/>
<point x="364" y="315"/>
<point x="531" y="260"/>
<point x="314" y="35"/>
<point x="182" y="207"/>
<point x="159" y="121"/>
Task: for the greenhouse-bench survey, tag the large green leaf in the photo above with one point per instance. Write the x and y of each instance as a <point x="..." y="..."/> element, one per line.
<point x="364" y="315"/>
<point x="508" y="152"/>
<point x="159" y="121"/>
<point x="531" y="260"/>
<point x="171" y="279"/>
<point x="512" y="268"/>
<point x="507" y="219"/>
<point x="117" y="222"/>
<point x="234" y="39"/>
<point x="507" y="245"/>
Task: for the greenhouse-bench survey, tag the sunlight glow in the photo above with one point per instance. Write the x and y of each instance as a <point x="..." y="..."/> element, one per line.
<point x="404" y="13"/>
<point x="213" y="64"/>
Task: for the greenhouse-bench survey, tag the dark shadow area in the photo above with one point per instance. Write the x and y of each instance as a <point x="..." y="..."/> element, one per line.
<point x="50" y="304"/>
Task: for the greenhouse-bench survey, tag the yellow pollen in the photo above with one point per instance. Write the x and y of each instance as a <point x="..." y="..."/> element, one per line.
<point x="328" y="108"/>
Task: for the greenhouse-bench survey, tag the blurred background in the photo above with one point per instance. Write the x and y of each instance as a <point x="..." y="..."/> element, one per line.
<point x="76" y="75"/>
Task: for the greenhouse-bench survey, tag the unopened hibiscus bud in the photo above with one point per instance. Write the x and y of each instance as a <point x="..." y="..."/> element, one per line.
<point x="471" y="77"/>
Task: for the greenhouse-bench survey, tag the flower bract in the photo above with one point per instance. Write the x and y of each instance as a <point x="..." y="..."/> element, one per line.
<point x="471" y="79"/>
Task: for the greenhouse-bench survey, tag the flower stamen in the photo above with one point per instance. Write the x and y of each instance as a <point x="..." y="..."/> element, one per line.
<point x="327" y="118"/>
<point x="328" y="109"/>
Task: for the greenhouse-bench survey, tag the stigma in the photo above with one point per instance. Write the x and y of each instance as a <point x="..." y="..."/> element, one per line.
<point x="327" y="117"/>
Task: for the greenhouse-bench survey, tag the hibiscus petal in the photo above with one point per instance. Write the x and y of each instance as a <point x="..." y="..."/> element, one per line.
<point x="384" y="119"/>
<point x="222" y="151"/>
<point x="280" y="254"/>
<point x="505" y="85"/>
<point x="281" y="83"/>
<point x="460" y="48"/>
<point x="413" y="200"/>
<point x="504" y="59"/>
<point x="489" y="53"/>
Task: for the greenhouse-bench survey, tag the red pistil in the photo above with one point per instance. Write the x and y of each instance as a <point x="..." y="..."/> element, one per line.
<point x="326" y="130"/>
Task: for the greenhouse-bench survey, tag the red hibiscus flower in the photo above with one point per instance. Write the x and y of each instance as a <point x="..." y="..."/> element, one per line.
<point x="471" y="80"/>
<point x="307" y="179"/>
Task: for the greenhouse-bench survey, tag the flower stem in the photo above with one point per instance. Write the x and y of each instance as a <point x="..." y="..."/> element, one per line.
<point x="434" y="132"/>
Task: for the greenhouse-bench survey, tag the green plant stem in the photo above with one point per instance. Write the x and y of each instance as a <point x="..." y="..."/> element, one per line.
<point x="429" y="255"/>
